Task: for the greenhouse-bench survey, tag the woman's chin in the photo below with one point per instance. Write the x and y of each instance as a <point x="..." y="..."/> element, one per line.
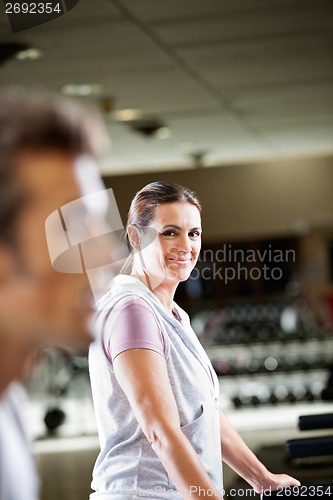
<point x="170" y="274"/>
<point x="178" y="275"/>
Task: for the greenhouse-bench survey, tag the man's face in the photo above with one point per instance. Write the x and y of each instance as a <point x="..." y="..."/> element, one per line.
<point x="61" y="303"/>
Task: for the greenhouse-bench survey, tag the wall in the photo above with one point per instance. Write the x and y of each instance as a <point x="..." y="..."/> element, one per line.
<point x="315" y="267"/>
<point x="249" y="201"/>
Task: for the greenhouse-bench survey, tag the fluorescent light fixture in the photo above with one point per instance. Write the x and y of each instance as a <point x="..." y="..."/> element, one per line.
<point x="163" y="133"/>
<point x="127" y="115"/>
<point x="30" y="54"/>
<point x="82" y="89"/>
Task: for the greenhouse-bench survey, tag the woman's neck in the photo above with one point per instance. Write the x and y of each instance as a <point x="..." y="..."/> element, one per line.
<point x="162" y="292"/>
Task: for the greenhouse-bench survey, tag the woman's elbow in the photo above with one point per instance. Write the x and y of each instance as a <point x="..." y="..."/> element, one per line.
<point x="163" y="437"/>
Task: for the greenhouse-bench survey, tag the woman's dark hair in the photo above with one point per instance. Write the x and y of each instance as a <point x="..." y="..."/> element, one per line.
<point x="142" y="209"/>
<point x="32" y="120"/>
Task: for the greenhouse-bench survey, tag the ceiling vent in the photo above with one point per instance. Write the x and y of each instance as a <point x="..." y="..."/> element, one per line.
<point x="148" y="127"/>
<point x="10" y="50"/>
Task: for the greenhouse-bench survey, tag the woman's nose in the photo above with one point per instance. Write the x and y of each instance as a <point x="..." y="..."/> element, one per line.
<point x="185" y="245"/>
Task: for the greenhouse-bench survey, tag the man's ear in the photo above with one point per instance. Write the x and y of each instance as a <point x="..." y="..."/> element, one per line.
<point x="134" y="236"/>
<point x="6" y="264"/>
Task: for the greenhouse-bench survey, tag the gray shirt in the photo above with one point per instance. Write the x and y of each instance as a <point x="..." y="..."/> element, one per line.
<point x="127" y="467"/>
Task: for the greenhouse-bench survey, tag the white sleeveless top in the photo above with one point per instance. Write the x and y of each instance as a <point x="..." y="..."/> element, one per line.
<point x="127" y="467"/>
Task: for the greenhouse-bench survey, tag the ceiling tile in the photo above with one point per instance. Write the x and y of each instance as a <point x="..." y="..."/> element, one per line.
<point x="252" y="22"/>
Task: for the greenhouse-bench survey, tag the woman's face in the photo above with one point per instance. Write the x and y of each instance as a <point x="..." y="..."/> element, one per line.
<point x="174" y="251"/>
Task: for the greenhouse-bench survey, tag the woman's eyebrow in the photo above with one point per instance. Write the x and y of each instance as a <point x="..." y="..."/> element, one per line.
<point x="171" y="225"/>
<point x="177" y="227"/>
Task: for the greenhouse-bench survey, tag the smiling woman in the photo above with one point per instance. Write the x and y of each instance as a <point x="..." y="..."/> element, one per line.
<point x="154" y="389"/>
<point x="170" y="256"/>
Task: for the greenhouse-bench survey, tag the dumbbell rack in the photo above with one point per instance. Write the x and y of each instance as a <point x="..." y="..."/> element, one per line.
<point x="261" y="365"/>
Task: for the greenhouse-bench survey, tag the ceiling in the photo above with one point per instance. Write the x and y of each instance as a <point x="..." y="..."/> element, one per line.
<point x="237" y="81"/>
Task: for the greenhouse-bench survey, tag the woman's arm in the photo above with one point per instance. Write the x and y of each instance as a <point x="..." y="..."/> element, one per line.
<point x="242" y="460"/>
<point x="143" y="376"/>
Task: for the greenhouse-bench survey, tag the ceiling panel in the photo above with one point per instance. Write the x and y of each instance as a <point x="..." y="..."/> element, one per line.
<point x="163" y="89"/>
<point x="159" y="10"/>
<point x="297" y="101"/>
<point x="87" y="13"/>
<point x="120" y="44"/>
<point x="222" y="138"/>
<point x="243" y="80"/>
<point x="263" y="62"/>
<point x="252" y="23"/>
<point x="312" y="137"/>
<point x="212" y="130"/>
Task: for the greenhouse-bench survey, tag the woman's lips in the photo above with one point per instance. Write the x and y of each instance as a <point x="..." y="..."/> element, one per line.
<point x="180" y="262"/>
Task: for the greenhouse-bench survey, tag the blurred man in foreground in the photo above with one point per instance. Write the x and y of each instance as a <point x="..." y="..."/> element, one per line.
<point x="47" y="151"/>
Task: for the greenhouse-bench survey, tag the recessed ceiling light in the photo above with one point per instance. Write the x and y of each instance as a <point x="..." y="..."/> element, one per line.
<point x="82" y="89"/>
<point x="29" y="54"/>
<point x="148" y="126"/>
<point x="127" y="115"/>
<point x="199" y="158"/>
<point x="163" y="133"/>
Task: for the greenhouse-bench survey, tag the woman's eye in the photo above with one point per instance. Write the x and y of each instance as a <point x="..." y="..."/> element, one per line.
<point x="194" y="234"/>
<point x="169" y="233"/>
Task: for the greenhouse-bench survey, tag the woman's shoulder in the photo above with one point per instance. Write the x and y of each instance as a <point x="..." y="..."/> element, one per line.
<point x="134" y="302"/>
<point x="121" y="288"/>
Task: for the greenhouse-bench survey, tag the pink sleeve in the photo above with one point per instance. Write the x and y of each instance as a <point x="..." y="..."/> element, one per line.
<point x="131" y="325"/>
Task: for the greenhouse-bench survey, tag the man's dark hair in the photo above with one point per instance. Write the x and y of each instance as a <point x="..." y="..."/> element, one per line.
<point x="39" y="121"/>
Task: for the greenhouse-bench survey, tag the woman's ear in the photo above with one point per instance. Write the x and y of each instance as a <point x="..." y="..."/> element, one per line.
<point x="134" y="236"/>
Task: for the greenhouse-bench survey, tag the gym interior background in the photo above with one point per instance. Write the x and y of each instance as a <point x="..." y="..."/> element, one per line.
<point x="234" y="100"/>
